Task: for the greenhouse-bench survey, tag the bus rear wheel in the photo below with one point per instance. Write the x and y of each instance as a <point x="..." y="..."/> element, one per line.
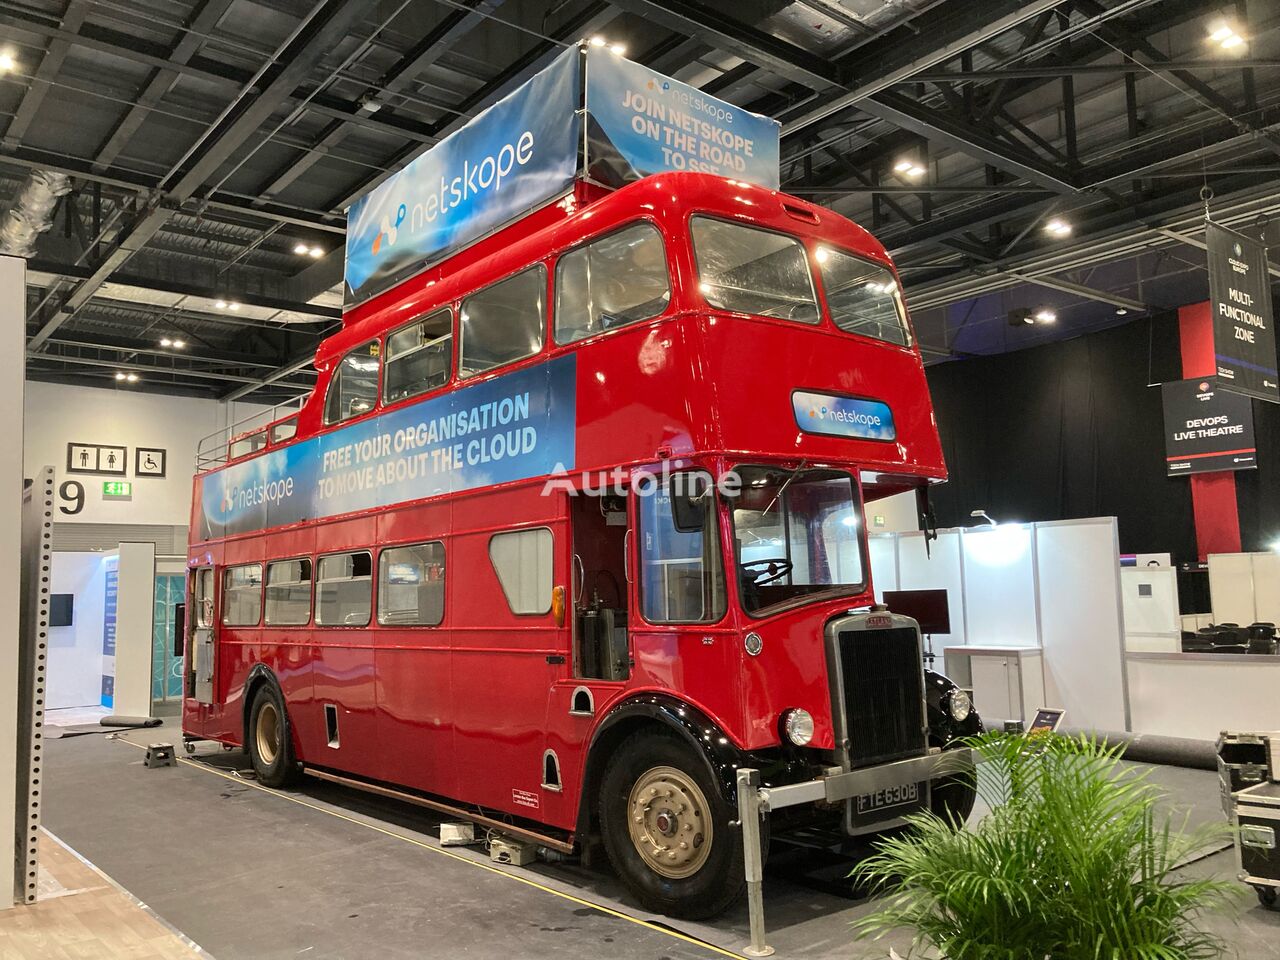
<point x="269" y="739"/>
<point x="667" y="829"/>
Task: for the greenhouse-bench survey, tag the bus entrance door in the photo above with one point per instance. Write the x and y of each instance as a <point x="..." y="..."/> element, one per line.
<point x="203" y="638"/>
<point x="600" y="649"/>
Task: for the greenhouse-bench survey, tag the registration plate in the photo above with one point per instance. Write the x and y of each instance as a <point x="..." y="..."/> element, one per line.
<point x="889" y="797"/>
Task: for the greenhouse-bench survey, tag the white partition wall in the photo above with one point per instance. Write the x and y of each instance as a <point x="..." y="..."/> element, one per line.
<point x="937" y="568"/>
<point x="1151" y="619"/>
<point x="1000" y="586"/>
<point x="1081" y="624"/>
<point x="883" y="549"/>
<point x="13" y="319"/>
<point x="133" y="636"/>
<point x="1231" y="587"/>
<point x="1266" y="587"/>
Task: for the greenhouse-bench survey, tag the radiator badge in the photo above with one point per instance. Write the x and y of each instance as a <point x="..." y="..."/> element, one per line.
<point x="879" y="620"/>
<point x="523" y="798"/>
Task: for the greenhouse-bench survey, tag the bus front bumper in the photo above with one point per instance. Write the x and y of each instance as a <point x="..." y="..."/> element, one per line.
<point x="841" y="785"/>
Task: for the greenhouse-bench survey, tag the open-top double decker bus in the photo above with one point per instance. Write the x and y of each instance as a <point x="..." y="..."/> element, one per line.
<point x="572" y="527"/>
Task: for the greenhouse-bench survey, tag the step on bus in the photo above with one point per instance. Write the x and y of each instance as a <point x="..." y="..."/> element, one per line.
<point x="573" y="526"/>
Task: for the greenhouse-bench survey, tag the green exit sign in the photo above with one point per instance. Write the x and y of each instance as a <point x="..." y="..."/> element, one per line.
<point x="117" y="488"/>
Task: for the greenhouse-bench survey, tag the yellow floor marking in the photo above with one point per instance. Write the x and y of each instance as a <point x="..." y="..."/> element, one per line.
<point x="453" y="856"/>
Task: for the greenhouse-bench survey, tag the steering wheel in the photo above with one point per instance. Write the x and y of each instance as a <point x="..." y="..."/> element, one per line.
<point x="774" y="568"/>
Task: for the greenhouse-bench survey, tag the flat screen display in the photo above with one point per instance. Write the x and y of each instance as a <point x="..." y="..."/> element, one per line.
<point x="926" y="607"/>
<point x="61" y="609"/>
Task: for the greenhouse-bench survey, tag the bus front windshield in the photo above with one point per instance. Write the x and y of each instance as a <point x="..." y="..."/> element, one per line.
<point x="797" y="534"/>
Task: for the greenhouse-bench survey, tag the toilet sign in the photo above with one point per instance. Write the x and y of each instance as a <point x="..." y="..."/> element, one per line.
<point x="97" y="458"/>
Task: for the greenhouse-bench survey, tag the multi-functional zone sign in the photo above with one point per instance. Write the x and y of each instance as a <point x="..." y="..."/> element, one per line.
<point x="1207" y="429"/>
<point x="1244" y="338"/>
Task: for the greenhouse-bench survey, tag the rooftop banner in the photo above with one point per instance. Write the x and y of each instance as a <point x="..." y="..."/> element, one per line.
<point x="510" y="159"/>
<point x="640" y="122"/>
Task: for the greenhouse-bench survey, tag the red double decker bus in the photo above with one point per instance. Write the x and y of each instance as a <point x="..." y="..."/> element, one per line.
<point x="572" y="527"/>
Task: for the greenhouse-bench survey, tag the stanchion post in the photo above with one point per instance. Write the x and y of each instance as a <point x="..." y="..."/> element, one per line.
<point x="749" y="809"/>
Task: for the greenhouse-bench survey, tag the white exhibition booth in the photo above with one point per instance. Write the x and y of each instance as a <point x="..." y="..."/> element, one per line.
<point x="1044" y="615"/>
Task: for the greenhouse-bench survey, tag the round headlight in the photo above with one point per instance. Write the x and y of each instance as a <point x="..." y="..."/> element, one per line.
<point x="753" y="643"/>
<point x="959" y="705"/>
<point x="797" y="724"/>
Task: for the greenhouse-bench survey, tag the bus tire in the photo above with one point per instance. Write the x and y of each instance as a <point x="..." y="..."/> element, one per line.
<point x="270" y="740"/>
<point x="666" y="828"/>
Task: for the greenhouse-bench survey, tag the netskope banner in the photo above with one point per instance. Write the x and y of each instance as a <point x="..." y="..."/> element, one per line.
<point x="512" y="427"/>
<point x="1244" y="338"/>
<point x="839" y="416"/>
<point x="640" y="122"/>
<point x="512" y="158"/>
<point x="1206" y="429"/>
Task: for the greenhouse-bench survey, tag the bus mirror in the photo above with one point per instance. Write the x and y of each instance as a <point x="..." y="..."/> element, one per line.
<point x="558" y="605"/>
<point x="688" y="511"/>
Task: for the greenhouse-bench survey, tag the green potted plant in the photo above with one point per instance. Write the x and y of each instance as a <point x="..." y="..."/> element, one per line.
<point x="1075" y="861"/>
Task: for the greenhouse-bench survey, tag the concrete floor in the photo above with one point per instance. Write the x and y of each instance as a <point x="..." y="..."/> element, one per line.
<point x="325" y="872"/>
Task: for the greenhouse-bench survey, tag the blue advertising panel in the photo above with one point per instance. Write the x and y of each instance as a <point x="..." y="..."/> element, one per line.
<point x="512" y="158"/>
<point x="640" y="122"/>
<point x="110" y="600"/>
<point x="843" y="416"/>
<point x="512" y="427"/>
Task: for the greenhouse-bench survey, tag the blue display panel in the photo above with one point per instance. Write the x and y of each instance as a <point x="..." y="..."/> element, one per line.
<point x="843" y="416"/>
<point x="513" y="427"/>
<point x="640" y="122"/>
<point x="512" y="158"/>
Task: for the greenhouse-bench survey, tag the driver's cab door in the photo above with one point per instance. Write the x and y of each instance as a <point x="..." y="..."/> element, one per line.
<point x="204" y="642"/>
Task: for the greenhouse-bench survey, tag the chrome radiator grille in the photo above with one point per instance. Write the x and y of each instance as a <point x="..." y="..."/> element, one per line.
<point x="881" y="673"/>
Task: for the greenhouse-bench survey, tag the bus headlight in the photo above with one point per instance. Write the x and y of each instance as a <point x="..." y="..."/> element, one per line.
<point x="959" y="705"/>
<point x="797" y="724"/>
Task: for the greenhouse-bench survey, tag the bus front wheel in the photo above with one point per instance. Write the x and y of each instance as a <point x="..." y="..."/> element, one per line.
<point x="269" y="739"/>
<point x="667" y="829"/>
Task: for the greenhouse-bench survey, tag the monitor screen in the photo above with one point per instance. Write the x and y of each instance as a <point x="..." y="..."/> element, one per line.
<point x="61" y="608"/>
<point x="927" y="607"/>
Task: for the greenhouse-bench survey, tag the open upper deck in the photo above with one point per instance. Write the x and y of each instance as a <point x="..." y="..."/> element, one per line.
<point x="683" y="314"/>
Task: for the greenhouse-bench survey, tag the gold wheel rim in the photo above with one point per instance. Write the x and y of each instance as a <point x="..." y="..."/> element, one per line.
<point x="670" y="822"/>
<point x="268" y="733"/>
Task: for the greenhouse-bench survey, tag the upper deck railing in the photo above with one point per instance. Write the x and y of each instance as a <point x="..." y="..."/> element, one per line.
<point x="214" y="450"/>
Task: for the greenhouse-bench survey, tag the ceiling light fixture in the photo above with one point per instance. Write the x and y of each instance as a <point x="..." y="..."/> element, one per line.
<point x="166" y="342"/>
<point x="179" y="344"/>
<point x="1045" y="315"/>
<point x="7" y="62"/>
<point x="301" y="249"/>
<point x="220" y="304"/>
<point x="1226" y="37"/>
<point x="1121" y="311"/>
<point x="617" y="49"/>
<point x="316" y="253"/>
<point x="909" y="168"/>
<point x="597" y="41"/>
<point x="233" y="305"/>
<point x="132" y="378"/>
<point x="119" y="375"/>
<point x="1058" y="227"/>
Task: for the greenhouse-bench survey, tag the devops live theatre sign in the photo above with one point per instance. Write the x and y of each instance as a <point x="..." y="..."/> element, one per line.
<point x="1244" y="339"/>
<point x="512" y="427"/>
<point x="1206" y="429"/>
<point x="527" y="150"/>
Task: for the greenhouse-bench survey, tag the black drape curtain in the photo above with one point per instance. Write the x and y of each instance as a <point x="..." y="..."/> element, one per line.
<point x="1072" y="429"/>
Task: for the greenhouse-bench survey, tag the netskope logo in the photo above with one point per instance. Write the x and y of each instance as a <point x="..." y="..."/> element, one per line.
<point x="237" y="499"/>
<point x="846" y="416"/>
<point x="389" y="230"/>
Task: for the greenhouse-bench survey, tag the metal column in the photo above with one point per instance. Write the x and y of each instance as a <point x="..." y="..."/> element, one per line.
<point x="750" y="809"/>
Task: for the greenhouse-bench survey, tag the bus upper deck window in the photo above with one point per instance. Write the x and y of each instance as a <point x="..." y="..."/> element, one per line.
<point x="284" y="430"/>
<point x="863" y="297"/>
<point x="748" y="270"/>
<point x="354" y="388"/>
<point x="611" y="282"/>
<point x="247" y="445"/>
<point x="503" y="322"/>
<point x="418" y="357"/>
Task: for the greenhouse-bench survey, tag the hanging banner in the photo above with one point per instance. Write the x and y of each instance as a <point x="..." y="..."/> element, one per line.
<point x="511" y="159"/>
<point x="1206" y="429"/>
<point x="1244" y="339"/>
<point x="640" y="122"/>
<point x="512" y="427"/>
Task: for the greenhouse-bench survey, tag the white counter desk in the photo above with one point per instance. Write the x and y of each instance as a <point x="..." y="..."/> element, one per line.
<point x="1007" y="682"/>
<point x="1199" y="695"/>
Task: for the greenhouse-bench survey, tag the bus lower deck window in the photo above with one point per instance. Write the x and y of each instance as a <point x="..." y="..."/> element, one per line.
<point x="681" y="573"/>
<point x="611" y="282"/>
<point x="288" y="593"/>
<point x="749" y="270"/>
<point x="411" y="585"/>
<point x="344" y="589"/>
<point x="242" y="595"/>
<point x="522" y="560"/>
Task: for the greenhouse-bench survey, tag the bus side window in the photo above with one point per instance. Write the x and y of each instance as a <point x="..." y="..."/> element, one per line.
<point x="242" y="595"/>
<point x="418" y="357"/>
<point x="522" y="560"/>
<point x="503" y="322"/>
<point x="611" y="282"/>
<point x="354" y="387"/>
<point x="411" y="585"/>
<point x="344" y="589"/>
<point x="289" y="593"/>
<point x="681" y="573"/>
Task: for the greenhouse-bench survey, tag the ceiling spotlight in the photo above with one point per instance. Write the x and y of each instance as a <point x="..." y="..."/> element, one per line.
<point x="6" y="61"/>
<point x="220" y="304"/>
<point x="617" y="49"/>
<point x="316" y="253"/>
<point x="1058" y="227"/>
<point x="1045" y="315"/>
<point x="119" y="375"/>
<point x="233" y="305"/>
<point x="166" y="342"/>
<point x="983" y="515"/>
<point x="909" y="168"/>
<point x="1020" y="317"/>
<point x="1121" y="311"/>
<point x="1225" y="36"/>
<point x="179" y="344"/>
<point x="301" y="249"/>
<point x="597" y="41"/>
<point x="132" y="378"/>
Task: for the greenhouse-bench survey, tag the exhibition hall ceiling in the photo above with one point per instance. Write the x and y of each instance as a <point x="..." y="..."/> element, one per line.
<point x="1041" y="156"/>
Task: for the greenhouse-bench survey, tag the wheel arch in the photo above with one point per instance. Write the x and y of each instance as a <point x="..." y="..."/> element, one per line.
<point x="260" y="675"/>
<point x="664" y="713"/>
